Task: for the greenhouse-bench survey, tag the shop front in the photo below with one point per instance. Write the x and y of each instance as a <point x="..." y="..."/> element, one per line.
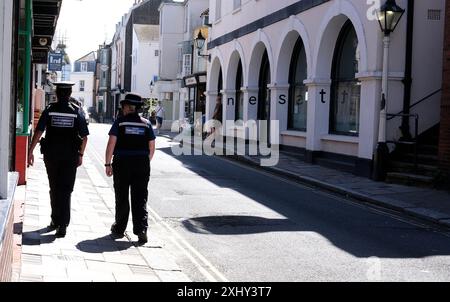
<point x="195" y="104"/>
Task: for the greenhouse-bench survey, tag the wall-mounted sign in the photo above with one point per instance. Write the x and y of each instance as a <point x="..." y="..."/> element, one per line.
<point x="55" y="61"/>
<point x="202" y="79"/>
<point x="190" y="81"/>
<point x="40" y="57"/>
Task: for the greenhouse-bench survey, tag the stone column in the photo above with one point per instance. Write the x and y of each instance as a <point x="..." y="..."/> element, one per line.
<point x="279" y="106"/>
<point x="211" y="97"/>
<point x="319" y="96"/>
<point x="250" y="110"/>
<point x="368" y="123"/>
<point x="229" y="110"/>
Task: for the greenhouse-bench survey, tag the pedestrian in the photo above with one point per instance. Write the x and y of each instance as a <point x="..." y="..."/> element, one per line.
<point x="218" y="110"/>
<point x="160" y="113"/>
<point x="63" y="148"/>
<point x="217" y="115"/>
<point x="132" y="144"/>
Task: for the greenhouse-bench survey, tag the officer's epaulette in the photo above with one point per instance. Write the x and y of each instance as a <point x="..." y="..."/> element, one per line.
<point x="51" y="104"/>
<point x="74" y="103"/>
<point x="145" y="121"/>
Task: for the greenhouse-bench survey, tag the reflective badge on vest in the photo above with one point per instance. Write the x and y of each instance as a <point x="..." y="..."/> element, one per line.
<point x="134" y="131"/>
<point x="62" y="120"/>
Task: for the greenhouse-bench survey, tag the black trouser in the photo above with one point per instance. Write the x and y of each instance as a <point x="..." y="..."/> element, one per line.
<point x="61" y="176"/>
<point x="131" y="173"/>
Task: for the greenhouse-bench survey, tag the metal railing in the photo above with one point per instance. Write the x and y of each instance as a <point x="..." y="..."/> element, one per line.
<point x="415" y="141"/>
<point x="416" y="103"/>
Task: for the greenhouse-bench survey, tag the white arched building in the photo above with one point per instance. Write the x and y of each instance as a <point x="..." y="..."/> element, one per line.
<point x="316" y="66"/>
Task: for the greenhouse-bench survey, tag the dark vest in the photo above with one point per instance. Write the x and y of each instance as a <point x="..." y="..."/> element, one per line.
<point x="62" y="130"/>
<point x="133" y="137"/>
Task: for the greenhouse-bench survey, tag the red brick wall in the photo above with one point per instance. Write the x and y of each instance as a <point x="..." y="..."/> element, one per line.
<point x="444" y="145"/>
<point x="6" y="251"/>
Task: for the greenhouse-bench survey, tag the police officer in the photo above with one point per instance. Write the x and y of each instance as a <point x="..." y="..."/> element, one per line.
<point x="132" y="143"/>
<point x="63" y="148"/>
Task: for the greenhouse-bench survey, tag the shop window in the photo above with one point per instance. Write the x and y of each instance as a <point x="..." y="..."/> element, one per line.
<point x="345" y="89"/>
<point x="239" y="95"/>
<point x="298" y="92"/>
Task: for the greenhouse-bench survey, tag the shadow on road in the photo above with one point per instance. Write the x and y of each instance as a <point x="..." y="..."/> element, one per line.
<point x="355" y="229"/>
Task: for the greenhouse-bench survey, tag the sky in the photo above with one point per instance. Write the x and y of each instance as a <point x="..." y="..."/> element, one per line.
<point x="88" y="23"/>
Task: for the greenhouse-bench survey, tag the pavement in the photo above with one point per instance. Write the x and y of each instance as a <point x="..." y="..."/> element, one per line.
<point x="425" y="205"/>
<point x="87" y="253"/>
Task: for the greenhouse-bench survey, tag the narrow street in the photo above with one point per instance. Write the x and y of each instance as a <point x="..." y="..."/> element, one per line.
<point x="222" y="221"/>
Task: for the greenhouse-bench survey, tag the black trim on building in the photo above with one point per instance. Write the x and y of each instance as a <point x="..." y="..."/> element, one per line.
<point x="268" y="20"/>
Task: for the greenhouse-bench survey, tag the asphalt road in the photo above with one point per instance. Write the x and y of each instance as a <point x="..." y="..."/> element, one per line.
<point x="222" y="221"/>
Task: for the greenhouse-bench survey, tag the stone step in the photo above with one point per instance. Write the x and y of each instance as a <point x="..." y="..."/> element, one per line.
<point x="428" y="149"/>
<point x="410" y="179"/>
<point x="406" y="167"/>
<point x="425" y="159"/>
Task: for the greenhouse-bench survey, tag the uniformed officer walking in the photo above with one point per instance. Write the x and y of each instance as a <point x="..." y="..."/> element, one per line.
<point x="63" y="148"/>
<point x="132" y="143"/>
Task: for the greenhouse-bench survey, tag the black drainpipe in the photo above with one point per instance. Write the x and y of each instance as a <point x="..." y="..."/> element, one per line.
<point x="407" y="81"/>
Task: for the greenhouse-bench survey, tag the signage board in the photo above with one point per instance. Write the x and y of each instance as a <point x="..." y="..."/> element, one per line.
<point x="55" y="61"/>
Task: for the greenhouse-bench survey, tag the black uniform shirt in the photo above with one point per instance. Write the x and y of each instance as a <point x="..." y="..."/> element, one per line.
<point x="64" y="124"/>
<point x="133" y="135"/>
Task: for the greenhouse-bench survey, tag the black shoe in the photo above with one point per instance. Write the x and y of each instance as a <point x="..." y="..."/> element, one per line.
<point x="143" y="239"/>
<point x="116" y="234"/>
<point x="61" y="232"/>
<point x="52" y="226"/>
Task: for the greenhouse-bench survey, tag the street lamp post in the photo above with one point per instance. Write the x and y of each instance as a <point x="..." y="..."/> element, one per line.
<point x="200" y="43"/>
<point x="389" y="16"/>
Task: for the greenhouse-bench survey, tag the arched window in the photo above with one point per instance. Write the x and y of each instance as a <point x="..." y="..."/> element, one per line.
<point x="264" y="91"/>
<point x="239" y="95"/>
<point x="298" y="92"/>
<point x="345" y="89"/>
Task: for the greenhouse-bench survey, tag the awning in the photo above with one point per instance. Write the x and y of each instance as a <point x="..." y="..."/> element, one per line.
<point x="45" y="18"/>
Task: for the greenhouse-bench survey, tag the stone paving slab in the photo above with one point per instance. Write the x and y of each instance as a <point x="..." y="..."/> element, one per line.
<point x="87" y="253"/>
<point x="172" y="276"/>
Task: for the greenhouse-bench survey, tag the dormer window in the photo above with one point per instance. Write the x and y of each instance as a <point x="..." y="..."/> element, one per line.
<point x="84" y="66"/>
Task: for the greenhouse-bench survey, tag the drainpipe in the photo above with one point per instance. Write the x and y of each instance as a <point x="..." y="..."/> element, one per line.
<point x="407" y="81"/>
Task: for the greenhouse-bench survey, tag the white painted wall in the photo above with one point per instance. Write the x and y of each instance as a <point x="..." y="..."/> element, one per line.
<point x="193" y="10"/>
<point x="145" y="65"/>
<point x="5" y="92"/>
<point x="171" y="33"/>
<point x="88" y="93"/>
<point x="117" y="54"/>
<point x="427" y="62"/>
<point x="114" y="63"/>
